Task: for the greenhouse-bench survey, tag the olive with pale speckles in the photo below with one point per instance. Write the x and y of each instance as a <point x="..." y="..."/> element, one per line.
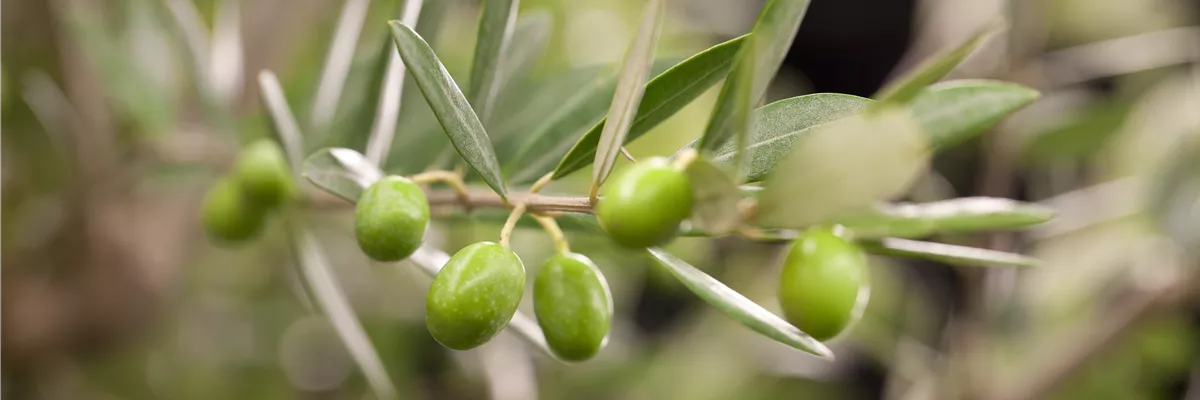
<point x="390" y="219"/>
<point x="573" y="306"/>
<point x="474" y="295"/>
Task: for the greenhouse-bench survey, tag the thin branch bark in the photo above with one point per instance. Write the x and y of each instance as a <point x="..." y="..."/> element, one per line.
<point x="479" y="198"/>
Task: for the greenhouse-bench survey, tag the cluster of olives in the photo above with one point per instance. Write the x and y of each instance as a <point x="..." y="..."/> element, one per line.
<point x="477" y="292"/>
<point x="823" y="287"/>
<point x="236" y="206"/>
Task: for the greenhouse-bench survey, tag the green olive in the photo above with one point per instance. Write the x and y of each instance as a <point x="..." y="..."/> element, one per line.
<point x="228" y="215"/>
<point x="390" y="219"/>
<point x="643" y="205"/>
<point x="824" y="285"/>
<point x="474" y="295"/>
<point x="573" y="306"/>
<point x="262" y="170"/>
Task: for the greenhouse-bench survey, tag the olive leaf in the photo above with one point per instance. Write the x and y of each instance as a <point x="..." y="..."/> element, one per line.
<point x="953" y="111"/>
<point x="529" y="41"/>
<point x="844" y="166"/>
<point x="665" y="95"/>
<point x="338" y="60"/>
<point x="325" y="287"/>
<point x="908" y="86"/>
<point x="773" y="34"/>
<point x="343" y="172"/>
<point x="1175" y="195"/>
<point x="946" y="253"/>
<point x="282" y="119"/>
<point x="387" y="107"/>
<point x="778" y="125"/>
<point x="966" y="214"/>
<point x="544" y="146"/>
<point x="453" y="111"/>
<point x="491" y="49"/>
<point x="738" y="307"/>
<point x="630" y="87"/>
<point x="716" y="197"/>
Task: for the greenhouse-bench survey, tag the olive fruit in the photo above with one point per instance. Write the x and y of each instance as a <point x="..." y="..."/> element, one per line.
<point x="390" y="219"/>
<point x="644" y="204"/>
<point x="227" y="214"/>
<point x="573" y="306"/>
<point x="474" y="295"/>
<point x="824" y="284"/>
<point x="262" y="171"/>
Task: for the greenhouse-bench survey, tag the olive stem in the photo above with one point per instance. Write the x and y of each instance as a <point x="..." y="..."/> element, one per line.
<point x="454" y="179"/>
<point x="541" y="182"/>
<point x="594" y="193"/>
<point x="510" y="224"/>
<point x="560" y="241"/>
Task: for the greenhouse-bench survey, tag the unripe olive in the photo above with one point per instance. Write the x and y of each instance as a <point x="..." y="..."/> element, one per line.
<point x="262" y="171"/>
<point x="573" y="306"/>
<point x="643" y="205"/>
<point x="390" y="219"/>
<point x="228" y="215"/>
<point x="474" y="295"/>
<point x="824" y="285"/>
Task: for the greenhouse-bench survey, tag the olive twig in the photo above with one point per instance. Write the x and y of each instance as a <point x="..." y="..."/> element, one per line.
<point x="454" y="179"/>
<point x="510" y="224"/>
<point x="560" y="241"/>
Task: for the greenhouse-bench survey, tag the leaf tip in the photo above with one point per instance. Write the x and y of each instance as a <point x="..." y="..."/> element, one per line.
<point x="820" y="350"/>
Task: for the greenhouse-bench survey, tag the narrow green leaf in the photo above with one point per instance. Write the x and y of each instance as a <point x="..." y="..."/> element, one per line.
<point x="966" y="214"/>
<point x="453" y="111"/>
<point x="906" y="88"/>
<point x="630" y="87"/>
<point x="546" y="144"/>
<point x="491" y="44"/>
<point x="844" y="166"/>
<point x="953" y="111"/>
<point x="387" y="111"/>
<point x="337" y="64"/>
<point x="716" y="197"/>
<point x="665" y="95"/>
<point x="778" y="125"/>
<point x="341" y="172"/>
<point x="738" y="307"/>
<point x="1174" y="201"/>
<point x="282" y="118"/>
<point x="740" y="118"/>
<point x="772" y="37"/>
<point x="363" y="93"/>
<point x="325" y="288"/>
<point x="529" y="41"/>
<point x="947" y="253"/>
